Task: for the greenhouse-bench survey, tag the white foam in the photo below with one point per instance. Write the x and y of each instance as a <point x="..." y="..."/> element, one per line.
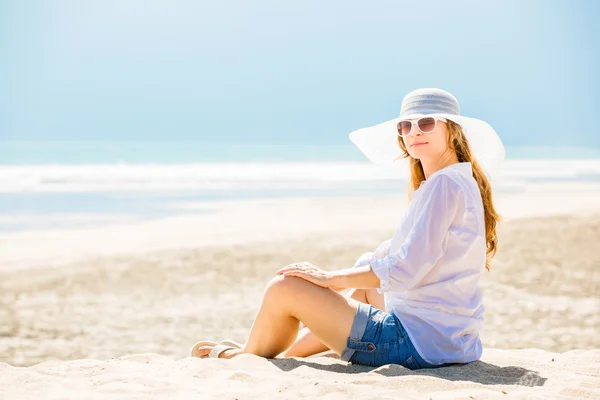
<point x="184" y="177"/>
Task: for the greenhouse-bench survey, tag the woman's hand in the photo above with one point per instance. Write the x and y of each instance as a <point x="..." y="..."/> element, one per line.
<point x="309" y="272"/>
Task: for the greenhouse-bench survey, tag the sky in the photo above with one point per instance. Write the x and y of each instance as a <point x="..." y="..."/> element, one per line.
<point x="293" y="72"/>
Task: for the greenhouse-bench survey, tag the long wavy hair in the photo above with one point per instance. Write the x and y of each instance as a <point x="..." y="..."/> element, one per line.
<point x="459" y="143"/>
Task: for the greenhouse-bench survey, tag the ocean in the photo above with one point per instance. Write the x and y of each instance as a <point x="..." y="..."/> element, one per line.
<point x="49" y="185"/>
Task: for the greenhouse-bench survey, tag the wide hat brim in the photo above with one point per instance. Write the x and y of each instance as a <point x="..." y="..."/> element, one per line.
<point x="379" y="143"/>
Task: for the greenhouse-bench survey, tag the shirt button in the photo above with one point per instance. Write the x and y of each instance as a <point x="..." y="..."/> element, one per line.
<point x="370" y="347"/>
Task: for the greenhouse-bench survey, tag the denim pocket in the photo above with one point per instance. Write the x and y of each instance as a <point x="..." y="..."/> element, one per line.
<point x="357" y="345"/>
<point x="410" y="363"/>
<point x="398" y="353"/>
<point x="363" y="352"/>
<point x="378" y="354"/>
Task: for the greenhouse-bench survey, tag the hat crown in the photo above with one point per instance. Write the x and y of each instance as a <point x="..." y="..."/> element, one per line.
<point x="429" y="101"/>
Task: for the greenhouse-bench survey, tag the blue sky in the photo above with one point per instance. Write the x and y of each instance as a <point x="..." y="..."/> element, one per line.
<point x="293" y="71"/>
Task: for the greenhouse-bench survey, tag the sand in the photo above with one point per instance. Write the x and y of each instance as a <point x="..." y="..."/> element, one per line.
<point x="112" y="312"/>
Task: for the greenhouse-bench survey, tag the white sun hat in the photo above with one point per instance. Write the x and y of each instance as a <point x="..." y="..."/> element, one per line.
<point x="380" y="142"/>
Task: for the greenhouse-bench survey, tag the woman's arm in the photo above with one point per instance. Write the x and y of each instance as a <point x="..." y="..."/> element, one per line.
<point x="355" y="277"/>
<point x="362" y="261"/>
<point x="358" y="277"/>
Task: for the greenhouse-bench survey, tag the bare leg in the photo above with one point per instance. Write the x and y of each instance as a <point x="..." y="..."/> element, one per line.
<point x="286" y="301"/>
<point x="308" y="343"/>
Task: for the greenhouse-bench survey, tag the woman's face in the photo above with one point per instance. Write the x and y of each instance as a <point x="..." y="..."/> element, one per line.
<point x="427" y="146"/>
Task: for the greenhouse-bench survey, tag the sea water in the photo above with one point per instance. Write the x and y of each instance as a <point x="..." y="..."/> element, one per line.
<point x="46" y="185"/>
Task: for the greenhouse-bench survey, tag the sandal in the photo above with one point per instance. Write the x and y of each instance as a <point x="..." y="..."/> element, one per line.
<point x="232" y="343"/>
<point x="215" y="351"/>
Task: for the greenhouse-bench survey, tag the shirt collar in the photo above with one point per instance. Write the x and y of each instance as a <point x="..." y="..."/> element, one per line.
<point x="464" y="168"/>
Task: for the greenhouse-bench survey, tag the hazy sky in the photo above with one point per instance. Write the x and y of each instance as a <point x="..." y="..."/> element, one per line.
<point x="294" y="71"/>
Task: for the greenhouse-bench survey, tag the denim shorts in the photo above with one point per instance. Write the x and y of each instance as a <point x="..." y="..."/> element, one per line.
<point x="378" y="338"/>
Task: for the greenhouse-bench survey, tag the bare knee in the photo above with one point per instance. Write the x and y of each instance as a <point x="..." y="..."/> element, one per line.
<point x="283" y="286"/>
<point x="277" y="283"/>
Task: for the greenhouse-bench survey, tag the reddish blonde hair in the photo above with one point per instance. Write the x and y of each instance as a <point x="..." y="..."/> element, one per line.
<point x="459" y="143"/>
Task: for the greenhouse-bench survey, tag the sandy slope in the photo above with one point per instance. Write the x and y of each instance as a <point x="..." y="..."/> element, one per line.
<point x="500" y="374"/>
<point x="542" y="302"/>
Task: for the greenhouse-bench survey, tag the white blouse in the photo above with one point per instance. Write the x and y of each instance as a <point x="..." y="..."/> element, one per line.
<point x="430" y="269"/>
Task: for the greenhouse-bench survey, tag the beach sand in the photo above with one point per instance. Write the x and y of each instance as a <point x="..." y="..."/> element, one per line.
<point x="112" y="312"/>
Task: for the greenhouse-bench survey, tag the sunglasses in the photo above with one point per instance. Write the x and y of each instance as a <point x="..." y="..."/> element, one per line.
<point x="425" y="125"/>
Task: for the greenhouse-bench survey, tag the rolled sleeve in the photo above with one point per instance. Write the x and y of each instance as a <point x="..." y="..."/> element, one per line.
<point x="426" y="242"/>
<point x="381" y="268"/>
<point x="363" y="260"/>
<point x="366" y="258"/>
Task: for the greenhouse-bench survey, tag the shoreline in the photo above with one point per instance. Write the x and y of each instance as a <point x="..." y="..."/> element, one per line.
<point x="229" y="222"/>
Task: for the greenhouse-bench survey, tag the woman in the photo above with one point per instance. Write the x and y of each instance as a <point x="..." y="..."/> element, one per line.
<point x="417" y="302"/>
